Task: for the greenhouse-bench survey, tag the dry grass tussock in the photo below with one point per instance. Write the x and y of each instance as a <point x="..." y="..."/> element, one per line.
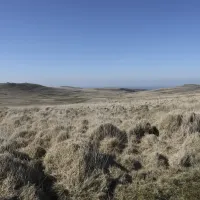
<point x="135" y="149"/>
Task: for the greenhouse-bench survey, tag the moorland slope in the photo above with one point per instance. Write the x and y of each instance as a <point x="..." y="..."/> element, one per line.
<point x="142" y="145"/>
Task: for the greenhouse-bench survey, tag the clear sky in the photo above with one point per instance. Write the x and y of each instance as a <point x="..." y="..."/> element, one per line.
<point x="100" y="42"/>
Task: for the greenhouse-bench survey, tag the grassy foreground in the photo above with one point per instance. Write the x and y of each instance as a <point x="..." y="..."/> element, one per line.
<point x="146" y="148"/>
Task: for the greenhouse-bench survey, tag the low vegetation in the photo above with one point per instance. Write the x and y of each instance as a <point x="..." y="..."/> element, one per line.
<point x="136" y="149"/>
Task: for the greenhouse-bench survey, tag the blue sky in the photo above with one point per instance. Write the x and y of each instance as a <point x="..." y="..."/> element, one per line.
<point x="100" y="43"/>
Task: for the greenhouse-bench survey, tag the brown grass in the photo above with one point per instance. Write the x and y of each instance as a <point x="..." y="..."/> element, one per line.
<point x="136" y="148"/>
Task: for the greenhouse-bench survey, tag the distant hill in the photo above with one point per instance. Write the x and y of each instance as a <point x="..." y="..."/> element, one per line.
<point x="191" y="85"/>
<point x="132" y="90"/>
<point x="28" y="94"/>
<point x="22" y="86"/>
<point x="26" y="88"/>
<point x="35" y="94"/>
<point x="186" y="88"/>
<point x="71" y="87"/>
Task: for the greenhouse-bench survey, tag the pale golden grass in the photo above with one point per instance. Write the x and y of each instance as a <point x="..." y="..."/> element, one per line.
<point x="141" y="147"/>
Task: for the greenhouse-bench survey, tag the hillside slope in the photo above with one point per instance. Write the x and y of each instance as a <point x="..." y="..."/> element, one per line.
<point x="27" y="94"/>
